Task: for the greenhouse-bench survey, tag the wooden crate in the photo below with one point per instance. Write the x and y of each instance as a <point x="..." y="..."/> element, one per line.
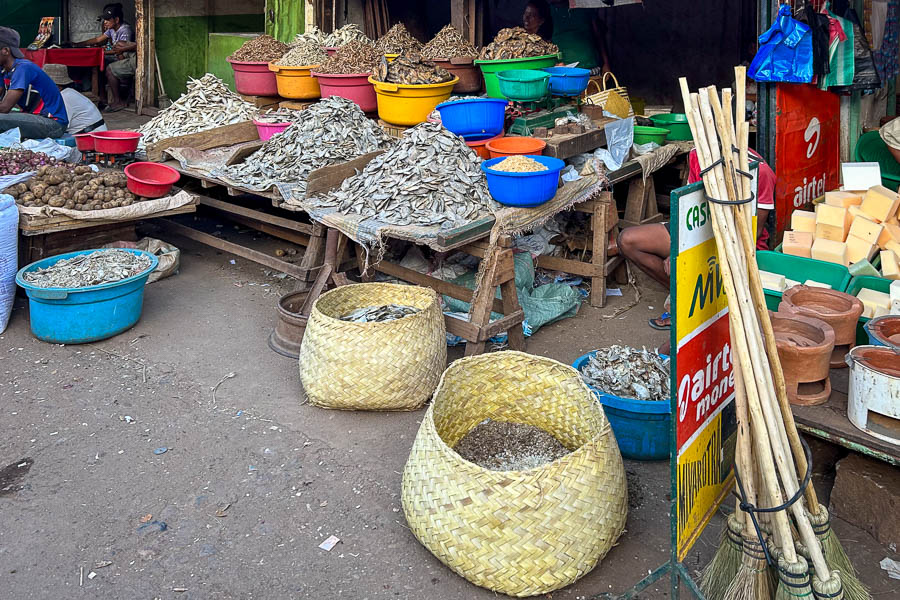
<point x="395" y="131"/>
<point x="43" y="245"/>
<point x="263" y="101"/>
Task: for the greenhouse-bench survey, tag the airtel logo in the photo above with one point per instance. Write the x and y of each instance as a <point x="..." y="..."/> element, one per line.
<point x="813" y="129"/>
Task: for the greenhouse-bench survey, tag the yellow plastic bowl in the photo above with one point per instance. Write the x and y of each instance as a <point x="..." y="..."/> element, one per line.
<point x="391" y="57"/>
<point x="296" y="82"/>
<point x="408" y="105"/>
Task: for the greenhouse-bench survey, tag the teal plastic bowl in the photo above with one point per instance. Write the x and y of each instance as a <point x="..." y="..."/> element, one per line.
<point x="524" y="85"/>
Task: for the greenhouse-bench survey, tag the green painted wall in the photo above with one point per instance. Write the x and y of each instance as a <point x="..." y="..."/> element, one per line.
<point x="221" y="46"/>
<point x="286" y="18"/>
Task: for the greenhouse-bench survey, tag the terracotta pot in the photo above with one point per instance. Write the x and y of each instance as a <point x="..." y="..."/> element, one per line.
<point x="804" y="348"/>
<point x="469" y="74"/>
<point x="840" y="310"/>
<point x="287" y="336"/>
<point x="885" y="330"/>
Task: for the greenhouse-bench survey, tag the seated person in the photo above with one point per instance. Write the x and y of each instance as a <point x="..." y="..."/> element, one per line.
<point x="42" y="112"/>
<point x="648" y="246"/>
<point x="83" y="115"/>
<point x="121" y="57"/>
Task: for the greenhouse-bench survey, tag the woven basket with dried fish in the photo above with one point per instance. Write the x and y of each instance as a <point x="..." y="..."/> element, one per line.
<point x="410" y="69"/>
<point x="448" y="43"/>
<point x="350" y="59"/>
<point x="263" y="48"/>
<point x="303" y="54"/>
<point x="208" y="103"/>
<point x="430" y="177"/>
<point x="381" y="365"/>
<point x="330" y="131"/>
<point x="397" y="41"/>
<point x="515" y="42"/>
<point x="344" y="35"/>
<point x="628" y="373"/>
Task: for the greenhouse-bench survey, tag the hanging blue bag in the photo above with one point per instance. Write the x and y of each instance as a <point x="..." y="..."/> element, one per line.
<point x="785" y="51"/>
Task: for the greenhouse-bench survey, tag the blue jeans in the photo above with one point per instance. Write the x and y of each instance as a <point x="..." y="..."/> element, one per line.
<point x="32" y="126"/>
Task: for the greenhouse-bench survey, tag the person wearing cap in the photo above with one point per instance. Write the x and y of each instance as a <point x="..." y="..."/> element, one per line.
<point x="42" y="113"/>
<point x="83" y="115"/>
<point x="121" y="57"/>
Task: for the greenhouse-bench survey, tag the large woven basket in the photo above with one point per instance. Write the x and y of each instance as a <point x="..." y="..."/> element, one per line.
<point x="391" y="365"/>
<point x="520" y="533"/>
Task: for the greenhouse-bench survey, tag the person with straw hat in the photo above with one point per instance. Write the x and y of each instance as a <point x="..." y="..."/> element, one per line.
<point x="83" y="114"/>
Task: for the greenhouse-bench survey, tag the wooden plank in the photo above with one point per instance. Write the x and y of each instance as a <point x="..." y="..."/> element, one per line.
<point x="505" y="323"/>
<point x="465" y="233"/>
<point x="571" y="144"/>
<point x="243" y="152"/>
<point x="569" y="265"/>
<point x="227" y="135"/>
<point x="37" y="247"/>
<point x="256" y="215"/>
<point x="458" y="15"/>
<point x="294" y="104"/>
<point x="599" y="242"/>
<point x="55" y="224"/>
<point x="505" y="268"/>
<point x="273" y="230"/>
<point x="331" y="177"/>
<point x="262" y="101"/>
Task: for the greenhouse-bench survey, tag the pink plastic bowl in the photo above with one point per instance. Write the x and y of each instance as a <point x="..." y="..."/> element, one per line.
<point x="115" y="141"/>
<point x="267" y="130"/>
<point x="254" y="78"/>
<point x="330" y="50"/>
<point x="354" y="87"/>
<point x="150" y="180"/>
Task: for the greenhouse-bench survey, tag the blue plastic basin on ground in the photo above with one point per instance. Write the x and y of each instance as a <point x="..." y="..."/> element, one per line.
<point x="523" y="189"/>
<point x="89" y="314"/>
<point x="567" y="81"/>
<point x="642" y="427"/>
<point x="877" y="340"/>
<point x="475" y="116"/>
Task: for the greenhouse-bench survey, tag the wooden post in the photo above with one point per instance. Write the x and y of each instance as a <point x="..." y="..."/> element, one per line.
<point x="145" y="36"/>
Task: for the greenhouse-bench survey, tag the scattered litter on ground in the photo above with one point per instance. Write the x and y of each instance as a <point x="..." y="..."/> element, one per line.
<point x="153" y="525"/>
<point x="891" y="566"/>
<point x="504" y="446"/>
<point x="161" y="450"/>
<point x="103" y="563"/>
<point x="329" y="543"/>
<point x="146" y="518"/>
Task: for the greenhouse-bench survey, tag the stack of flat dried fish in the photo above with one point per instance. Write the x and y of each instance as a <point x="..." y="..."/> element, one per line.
<point x="312" y="34"/>
<point x="448" y="43"/>
<point x="410" y="69"/>
<point x="208" y="103"/>
<point x="344" y="35"/>
<point x="303" y="54"/>
<point x="281" y="115"/>
<point x="430" y="177"/>
<point x="379" y="314"/>
<point x="263" y="48"/>
<point x="102" y="266"/>
<point x="397" y="41"/>
<point x="352" y="58"/>
<point x="330" y="131"/>
<point x="515" y="42"/>
<point x="628" y="373"/>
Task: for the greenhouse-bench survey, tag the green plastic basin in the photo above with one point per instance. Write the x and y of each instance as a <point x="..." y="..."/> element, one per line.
<point x="879" y="284"/>
<point x="490" y="68"/>
<point x="645" y="135"/>
<point x="676" y="123"/>
<point x="800" y="268"/>
<point x="871" y="148"/>
<point x="523" y="85"/>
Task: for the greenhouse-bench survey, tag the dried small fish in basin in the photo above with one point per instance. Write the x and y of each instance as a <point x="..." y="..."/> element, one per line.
<point x="378" y="314"/>
<point x="448" y="43"/>
<point x="312" y="34"/>
<point x="519" y="164"/>
<point x="303" y="54"/>
<point x="397" y="41"/>
<point x="515" y="42"/>
<point x="102" y="266"/>
<point x="263" y="48"/>
<point x="344" y="35"/>
<point x="350" y="59"/>
<point x="410" y="69"/>
<point x="628" y="373"/>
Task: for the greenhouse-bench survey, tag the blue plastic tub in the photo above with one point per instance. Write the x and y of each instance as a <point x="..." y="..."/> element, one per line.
<point x="567" y="81"/>
<point x="89" y="314"/>
<point x="642" y="428"/>
<point x="890" y="323"/>
<point x="476" y="116"/>
<point x="523" y="189"/>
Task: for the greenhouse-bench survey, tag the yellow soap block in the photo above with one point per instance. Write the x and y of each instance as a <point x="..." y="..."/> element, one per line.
<point x="834" y="216"/>
<point x="856" y="211"/>
<point x="890" y="233"/>
<point x="842" y="199"/>
<point x="859" y="249"/>
<point x="875" y="303"/>
<point x="803" y="220"/>
<point x="797" y="243"/>
<point x="819" y="284"/>
<point x="830" y="251"/>
<point x="889" y="267"/>
<point x="772" y="281"/>
<point x="893" y="247"/>
<point x="867" y="230"/>
<point x="880" y="203"/>
<point x="833" y="233"/>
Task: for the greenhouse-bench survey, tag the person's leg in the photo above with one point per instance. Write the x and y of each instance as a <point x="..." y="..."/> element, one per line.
<point x="115" y="72"/>
<point x="32" y="126"/>
<point x="647" y="246"/>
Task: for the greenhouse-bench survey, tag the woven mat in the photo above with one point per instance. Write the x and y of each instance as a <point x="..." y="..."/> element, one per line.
<point x="654" y="161"/>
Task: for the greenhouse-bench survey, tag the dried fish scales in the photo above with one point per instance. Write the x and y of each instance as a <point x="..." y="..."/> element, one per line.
<point x="380" y="314"/>
<point x="102" y="266"/>
<point x="429" y="177"/>
<point x="263" y="48"/>
<point x="397" y="41"/>
<point x="628" y="373"/>
<point x="515" y="42"/>
<point x="302" y="55"/>
<point x="448" y="43"/>
<point x="410" y="69"/>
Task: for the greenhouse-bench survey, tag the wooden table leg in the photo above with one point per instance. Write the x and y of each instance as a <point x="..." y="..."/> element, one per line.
<point x="95" y="82"/>
<point x="482" y="301"/>
<point x="599" y="247"/>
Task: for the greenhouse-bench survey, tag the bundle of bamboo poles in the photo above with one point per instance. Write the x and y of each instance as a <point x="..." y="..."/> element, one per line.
<point x="770" y="458"/>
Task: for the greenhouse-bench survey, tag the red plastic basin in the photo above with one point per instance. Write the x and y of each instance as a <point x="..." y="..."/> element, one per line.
<point x="478" y="143"/>
<point x="354" y="87"/>
<point x="330" y="50"/>
<point x="84" y="141"/>
<point x="150" y="180"/>
<point x="115" y="141"/>
<point x="253" y="78"/>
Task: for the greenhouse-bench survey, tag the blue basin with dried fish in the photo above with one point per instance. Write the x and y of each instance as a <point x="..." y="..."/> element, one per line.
<point x="642" y="427"/>
<point x="77" y="315"/>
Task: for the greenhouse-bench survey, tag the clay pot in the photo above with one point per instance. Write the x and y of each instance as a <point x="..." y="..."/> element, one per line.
<point x="804" y="348"/>
<point x="885" y="330"/>
<point x="287" y="336"/>
<point x="840" y="310"/>
<point x="469" y="74"/>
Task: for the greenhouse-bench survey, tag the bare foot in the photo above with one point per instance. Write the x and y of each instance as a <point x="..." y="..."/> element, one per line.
<point x="115" y="107"/>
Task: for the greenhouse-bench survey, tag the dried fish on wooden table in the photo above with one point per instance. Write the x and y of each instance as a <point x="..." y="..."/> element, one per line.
<point x="410" y="69"/>
<point x="379" y="314"/>
<point x="628" y="373"/>
<point x="344" y="35"/>
<point x="448" y="43"/>
<point x="263" y="48"/>
<point x="102" y="266"/>
<point x="397" y="41"/>
<point x="353" y="58"/>
<point x="515" y="42"/>
<point x="303" y="54"/>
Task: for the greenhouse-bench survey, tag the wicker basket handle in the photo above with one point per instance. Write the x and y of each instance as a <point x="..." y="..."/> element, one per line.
<point x="609" y="74"/>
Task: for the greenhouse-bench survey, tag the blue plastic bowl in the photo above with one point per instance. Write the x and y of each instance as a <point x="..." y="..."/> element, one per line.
<point x="482" y="116"/>
<point x="523" y="189"/>
<point x="642" y="428"/>
<point x="88" y="314"/>
<point x="567" y="81"/>
<point x="874" y="338"/>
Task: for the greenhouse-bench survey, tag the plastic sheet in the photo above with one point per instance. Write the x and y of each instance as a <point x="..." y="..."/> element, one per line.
<point x="619" y="139"/>
<point x="785" y="52"/>
<point x="9" y="264"/>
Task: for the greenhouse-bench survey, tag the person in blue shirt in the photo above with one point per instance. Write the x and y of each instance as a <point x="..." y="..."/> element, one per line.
<point x="42" y="113"/>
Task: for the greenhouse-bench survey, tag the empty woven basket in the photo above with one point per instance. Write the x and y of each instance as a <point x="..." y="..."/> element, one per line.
<point x="390" y="365"/>
<point x="520" y="533"/>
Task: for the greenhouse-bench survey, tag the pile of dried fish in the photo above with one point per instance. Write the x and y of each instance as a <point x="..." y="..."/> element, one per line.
<point x="628" y="373"/>
<point x="397" y="41"/>
<point x="352" y="58"/>
<point x="344" y="35"/>
<point x="410" y="69"/>
<point x="264" y="48"/>
<point x="378" y="314"/>
<point x="303" y="54"/>
<point x="281" y="115"/>
<point x="330" y="131"/>
<point x="208" y="103"/>
<point x="515" y="42"/>
<point x="519" y="164"/>
<point x="102" y="266"/>
<point x="312" y="34"/>
<point x="505" y="446"/>
<point x="448" y="43"/>
<point x="430" y="177"/>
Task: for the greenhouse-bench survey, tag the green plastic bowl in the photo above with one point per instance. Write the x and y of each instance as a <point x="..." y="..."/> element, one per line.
<point x="645" y="135"/>
<point x="676" y="123"/>
<point x="871" y="148"/>
<point x="523" y="85"/>
<point x="490" y="68"/>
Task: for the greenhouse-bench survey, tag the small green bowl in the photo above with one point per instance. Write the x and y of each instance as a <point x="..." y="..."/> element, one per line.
<point x="645" y="135"/>
<point x="676" y="123"/>
<point x="524" y="85"/>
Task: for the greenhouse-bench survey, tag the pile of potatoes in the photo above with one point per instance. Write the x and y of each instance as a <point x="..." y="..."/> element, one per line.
<point x="78" y="188"/>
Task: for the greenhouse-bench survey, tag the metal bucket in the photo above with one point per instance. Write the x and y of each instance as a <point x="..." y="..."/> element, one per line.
<point x="287" y="336"/>
<point x="873" y="401"/>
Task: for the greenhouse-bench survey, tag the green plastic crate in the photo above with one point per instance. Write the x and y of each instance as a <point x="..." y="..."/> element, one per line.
<point x="800" y="269"/>
<point x="879" y="284"/>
